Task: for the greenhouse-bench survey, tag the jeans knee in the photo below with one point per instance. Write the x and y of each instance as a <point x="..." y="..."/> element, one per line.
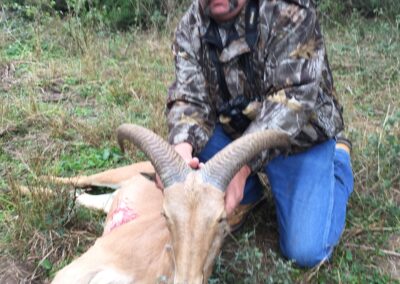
<point x="306" y="255"/>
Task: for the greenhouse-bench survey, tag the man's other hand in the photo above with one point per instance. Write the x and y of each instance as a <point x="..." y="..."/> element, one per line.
<point x="185" y="151"/>
<point x="235" y="190"/>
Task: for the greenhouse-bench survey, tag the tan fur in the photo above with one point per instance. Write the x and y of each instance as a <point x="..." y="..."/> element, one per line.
<point x="199" y="235"/>
<point x="114" y="178"/>
<point x="136" y="252"/>
<point x="141" y="245"/>
<point x="141" y="251"/>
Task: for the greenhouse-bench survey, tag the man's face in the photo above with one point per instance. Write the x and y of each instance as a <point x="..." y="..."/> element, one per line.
<point x="220" y="9"/>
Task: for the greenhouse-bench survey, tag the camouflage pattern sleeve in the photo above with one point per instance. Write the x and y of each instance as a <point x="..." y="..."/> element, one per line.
<point x="190" y="114"/>
<point x="293" y="65"/>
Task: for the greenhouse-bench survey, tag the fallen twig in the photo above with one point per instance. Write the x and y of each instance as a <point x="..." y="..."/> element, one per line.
<point x="368" y="248"/>
<point x="40" y="263"/>
<point x="358" y="231"/>
<point x="314" y="271"/>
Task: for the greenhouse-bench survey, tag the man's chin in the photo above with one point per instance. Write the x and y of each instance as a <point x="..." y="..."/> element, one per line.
<point x="219" y="11"/>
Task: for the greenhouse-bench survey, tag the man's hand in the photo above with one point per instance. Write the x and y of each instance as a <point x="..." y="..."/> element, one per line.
<point x="185" y="151"/>
<point x="235" y="190"/>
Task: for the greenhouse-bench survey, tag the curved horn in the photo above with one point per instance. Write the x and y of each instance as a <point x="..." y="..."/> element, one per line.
<point x="168" y="164"/>
<point x="224" y="165"/>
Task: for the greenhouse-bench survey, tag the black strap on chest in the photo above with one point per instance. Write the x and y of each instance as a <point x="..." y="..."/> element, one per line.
<point x="213" y="39"/>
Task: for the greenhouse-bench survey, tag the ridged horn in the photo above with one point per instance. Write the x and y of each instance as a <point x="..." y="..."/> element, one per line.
<point x="220" y="170"/>
<point x="167" y="163"/>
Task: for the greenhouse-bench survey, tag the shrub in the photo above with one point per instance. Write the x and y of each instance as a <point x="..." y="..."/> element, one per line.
<point x="117" y="14"/>
<point x="368" y="8"/>
<point x="123" y="14"/>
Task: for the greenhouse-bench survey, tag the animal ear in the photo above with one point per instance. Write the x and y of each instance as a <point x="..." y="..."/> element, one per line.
<point x="167" y="162"/>
<point x="220" y="170"/>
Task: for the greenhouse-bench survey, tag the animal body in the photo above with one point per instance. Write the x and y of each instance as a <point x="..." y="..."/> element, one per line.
<point x="170" y="236"/>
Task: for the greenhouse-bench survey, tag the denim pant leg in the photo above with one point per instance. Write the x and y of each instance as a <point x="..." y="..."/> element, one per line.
<point x="311" y="190"/>
<point x="253" y="189"/>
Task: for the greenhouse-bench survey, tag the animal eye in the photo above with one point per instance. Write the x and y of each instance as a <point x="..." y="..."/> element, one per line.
<point x="222" y="219"/>
<point x="164" y="215"/>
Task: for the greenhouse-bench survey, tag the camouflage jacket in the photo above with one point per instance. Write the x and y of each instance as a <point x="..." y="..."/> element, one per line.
<point x="291" y="72"/>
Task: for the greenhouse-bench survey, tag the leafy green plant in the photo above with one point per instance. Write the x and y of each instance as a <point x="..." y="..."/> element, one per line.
<point x="84" y="158"/>
<point x="250" y="264"/>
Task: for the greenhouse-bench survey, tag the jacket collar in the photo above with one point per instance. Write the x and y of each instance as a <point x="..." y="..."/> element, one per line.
<point x="205" y="29"/>
<point x="302" y="3"/>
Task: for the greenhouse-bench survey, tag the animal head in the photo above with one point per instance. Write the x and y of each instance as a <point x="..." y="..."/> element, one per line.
<point x="194" y="206"/>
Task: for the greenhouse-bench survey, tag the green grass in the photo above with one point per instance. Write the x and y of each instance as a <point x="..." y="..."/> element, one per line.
<point x="65" y="89"/>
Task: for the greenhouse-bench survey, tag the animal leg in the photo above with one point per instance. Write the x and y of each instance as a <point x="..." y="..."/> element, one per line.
<point x="98" y="202"/>
<point x="111" y="178"/>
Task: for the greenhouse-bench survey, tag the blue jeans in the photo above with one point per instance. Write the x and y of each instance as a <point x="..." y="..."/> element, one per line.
<point x="310" y="189"/>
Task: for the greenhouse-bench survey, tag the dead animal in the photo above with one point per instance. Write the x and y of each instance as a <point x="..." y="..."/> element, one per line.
<point x="170" y="236"/>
